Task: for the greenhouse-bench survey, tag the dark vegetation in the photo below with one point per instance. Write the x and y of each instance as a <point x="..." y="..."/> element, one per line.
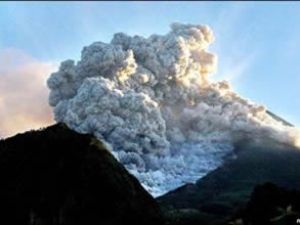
<point x="271" y="205"/>
<point x="218" y="196"/>
<point x="57" y="176"/>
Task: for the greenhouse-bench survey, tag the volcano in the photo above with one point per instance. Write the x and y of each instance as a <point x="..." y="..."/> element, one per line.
<point x="153" y="101"/>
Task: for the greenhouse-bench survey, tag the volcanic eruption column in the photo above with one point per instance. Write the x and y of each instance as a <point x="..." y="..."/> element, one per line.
<point x="152" y="101"/>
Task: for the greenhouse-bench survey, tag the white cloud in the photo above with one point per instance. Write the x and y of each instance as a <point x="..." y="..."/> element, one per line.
<point x="23" y="92"/>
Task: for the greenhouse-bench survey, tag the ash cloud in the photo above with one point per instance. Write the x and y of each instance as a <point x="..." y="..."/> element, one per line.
<point x="153" y="101"/>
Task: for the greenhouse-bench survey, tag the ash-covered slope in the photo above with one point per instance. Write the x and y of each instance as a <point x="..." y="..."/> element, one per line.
<point x="57" y="176"/>
<point x="215" y="198"/>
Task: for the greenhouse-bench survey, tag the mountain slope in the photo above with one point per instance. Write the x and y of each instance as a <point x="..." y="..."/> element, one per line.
<point x="279" y="119"/>
<point x="220" y="194"/>
<point x="57" y="176"/>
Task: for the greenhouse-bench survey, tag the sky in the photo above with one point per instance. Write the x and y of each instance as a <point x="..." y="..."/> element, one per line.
<point x="258" y="47"/>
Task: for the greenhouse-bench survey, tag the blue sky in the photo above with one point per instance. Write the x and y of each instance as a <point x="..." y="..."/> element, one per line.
<point x="258" y="43"/>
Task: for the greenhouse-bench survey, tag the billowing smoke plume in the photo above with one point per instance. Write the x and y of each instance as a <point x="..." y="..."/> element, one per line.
<point x="152" y="100"/>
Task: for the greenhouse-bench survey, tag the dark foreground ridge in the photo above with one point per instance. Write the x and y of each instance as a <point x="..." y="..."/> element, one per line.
<point x="57" y="176"/>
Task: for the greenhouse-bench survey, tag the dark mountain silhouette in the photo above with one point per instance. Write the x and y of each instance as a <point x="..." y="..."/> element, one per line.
<point x="218" y="196"/>
<point x="57" y="176"/>
<point x="271" y="205"/>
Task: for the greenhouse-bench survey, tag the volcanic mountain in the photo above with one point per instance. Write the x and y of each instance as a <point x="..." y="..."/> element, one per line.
<point x="153" y="100"/>
<point x="224" y="192"/>
<point x="58" y="176"/>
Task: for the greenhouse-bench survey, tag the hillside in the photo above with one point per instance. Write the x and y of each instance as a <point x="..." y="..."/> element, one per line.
<point x="57" y="176"/>
<point x="215" y="198"/>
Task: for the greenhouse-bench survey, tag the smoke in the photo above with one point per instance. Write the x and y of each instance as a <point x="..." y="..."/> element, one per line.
<point x="152" y="100"/>
<point x="23" y="93"/>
